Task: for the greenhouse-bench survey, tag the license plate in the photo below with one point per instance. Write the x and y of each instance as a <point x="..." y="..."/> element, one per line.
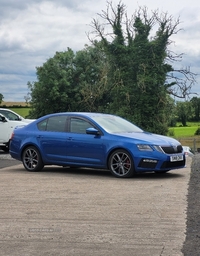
<point x="176" y="158"/>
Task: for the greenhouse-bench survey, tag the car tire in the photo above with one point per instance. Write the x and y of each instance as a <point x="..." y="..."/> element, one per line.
<point x="32" y="160"/>
<point x="5" y="149"/>
<point x="121" y="164"/>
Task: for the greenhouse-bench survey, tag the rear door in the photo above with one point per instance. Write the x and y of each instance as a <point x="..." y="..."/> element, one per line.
<point x="52" y="138"/>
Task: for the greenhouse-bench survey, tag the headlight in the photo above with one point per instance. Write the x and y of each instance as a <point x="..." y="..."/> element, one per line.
<point x="143" y="147"/>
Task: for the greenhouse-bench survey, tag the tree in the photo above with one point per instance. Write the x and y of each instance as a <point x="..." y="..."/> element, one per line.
<point x="128" y="71"/>
<point x="195" y="104"/>
<point x="172" y="112"/>
<point x="183" y="111"/>
<point x="1" y="98"/>
<point x="27" y="97"/>
<point x="91" y="76"/>
<point x="71" y="82"/>
<point x="55" y="89"/>
<point x="141" y="69"/>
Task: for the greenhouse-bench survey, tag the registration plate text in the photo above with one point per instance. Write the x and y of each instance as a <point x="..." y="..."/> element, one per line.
<point x="176" y="158"/>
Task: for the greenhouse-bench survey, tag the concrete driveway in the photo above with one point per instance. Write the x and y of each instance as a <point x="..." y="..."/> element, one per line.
<point x="62" y="211"/>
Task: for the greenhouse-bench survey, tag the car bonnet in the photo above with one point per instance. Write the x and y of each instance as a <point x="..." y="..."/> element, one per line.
<point x="150" y="138"/>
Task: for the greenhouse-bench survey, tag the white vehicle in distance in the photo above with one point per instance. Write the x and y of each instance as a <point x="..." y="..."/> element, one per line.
<point x="6" y="129"/>
<point x="13" y="116"/>
<point x="8" y="121"/>
<point x="188" y="151"/>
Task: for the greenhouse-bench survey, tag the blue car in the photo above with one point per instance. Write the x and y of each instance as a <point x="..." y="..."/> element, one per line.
<point x="94" y="140"/>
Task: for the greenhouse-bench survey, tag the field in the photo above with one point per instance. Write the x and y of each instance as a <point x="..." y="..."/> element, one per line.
<point x="186" y="135"/>
<point x="180" y="131"/>
<point x="24" y="111"/>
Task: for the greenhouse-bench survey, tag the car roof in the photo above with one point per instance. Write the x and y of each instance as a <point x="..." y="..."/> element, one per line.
<point x="86" y="114"/>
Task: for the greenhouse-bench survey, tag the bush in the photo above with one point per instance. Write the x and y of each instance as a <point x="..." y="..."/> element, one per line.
<point x="197" y="132"/>
<point x="171" y="133"/>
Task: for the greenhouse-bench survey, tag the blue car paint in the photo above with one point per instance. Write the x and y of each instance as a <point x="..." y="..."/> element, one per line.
<point x="86" y="150"/>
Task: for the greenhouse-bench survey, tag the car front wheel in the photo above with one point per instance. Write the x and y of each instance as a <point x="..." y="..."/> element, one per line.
<point x="32" y="159"/>
<point x="121" y="164"/>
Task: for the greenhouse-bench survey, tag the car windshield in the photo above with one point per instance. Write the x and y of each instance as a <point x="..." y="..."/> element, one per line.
<point x="115" y="124"/>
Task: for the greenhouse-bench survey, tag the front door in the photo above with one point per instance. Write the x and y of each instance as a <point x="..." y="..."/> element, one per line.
<point x="85" y="149"/>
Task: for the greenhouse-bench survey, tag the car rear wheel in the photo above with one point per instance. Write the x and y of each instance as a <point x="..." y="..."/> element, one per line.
<point x="32" y="159"/>
<point x="121" y="164"/>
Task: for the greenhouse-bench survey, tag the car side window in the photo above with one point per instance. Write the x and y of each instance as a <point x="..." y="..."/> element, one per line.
<point x="53" y="124"/>
<point x="2" y="118"/>
<point x="78" y="125"/>
<point x="42" y="125"/>
<point x="9" y="115"/>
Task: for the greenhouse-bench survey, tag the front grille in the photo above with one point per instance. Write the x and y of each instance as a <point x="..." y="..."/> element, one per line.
<point x="167" y="165"/>
<point x="172" y="150"/>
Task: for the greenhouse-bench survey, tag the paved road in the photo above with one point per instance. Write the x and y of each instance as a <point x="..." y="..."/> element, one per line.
<point x="6" y="160"/>
<point x="62" y="211"/>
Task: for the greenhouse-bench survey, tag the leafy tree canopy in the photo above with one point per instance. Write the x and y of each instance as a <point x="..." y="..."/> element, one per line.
<point x="1" y="98"/>
<point x="126" y="71"/>
<point x="71" y="82"/>
<point x="138" y="51"/>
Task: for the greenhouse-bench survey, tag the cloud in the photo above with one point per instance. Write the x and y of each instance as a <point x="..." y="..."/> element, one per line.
<point x="32" y="31"/>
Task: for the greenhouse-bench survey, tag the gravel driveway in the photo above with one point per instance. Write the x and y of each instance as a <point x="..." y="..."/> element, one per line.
<point x="81" y="212"/>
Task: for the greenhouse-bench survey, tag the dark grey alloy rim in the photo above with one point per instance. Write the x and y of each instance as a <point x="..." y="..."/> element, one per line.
<point x="121" y="164"/>
<point x="32" y="159"/>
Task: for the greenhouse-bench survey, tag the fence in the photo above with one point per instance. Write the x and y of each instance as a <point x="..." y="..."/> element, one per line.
<point x="193" y="143"/>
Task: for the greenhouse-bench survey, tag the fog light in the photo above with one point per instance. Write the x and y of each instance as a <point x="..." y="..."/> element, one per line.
<point x="148" y="163"/>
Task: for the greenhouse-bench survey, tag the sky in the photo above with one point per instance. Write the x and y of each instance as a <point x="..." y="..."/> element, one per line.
<point x="32" y="31"/>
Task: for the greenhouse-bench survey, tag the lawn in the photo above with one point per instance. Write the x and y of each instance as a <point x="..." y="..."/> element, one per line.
<point x="183" y="131"/>
<point x="180" y="131"/>
<point x="186" y="135"/>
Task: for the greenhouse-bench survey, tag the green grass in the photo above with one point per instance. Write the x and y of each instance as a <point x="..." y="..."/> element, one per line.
<point x="186" y="135"/>
<point x="21" y="111"/>
<point x="187" y="131"/>
<point x="183" y="131"/>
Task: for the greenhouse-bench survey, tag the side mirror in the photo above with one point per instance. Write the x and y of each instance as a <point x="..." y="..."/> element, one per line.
<point x="92" y="131"/>
<point x="3" y="119"/>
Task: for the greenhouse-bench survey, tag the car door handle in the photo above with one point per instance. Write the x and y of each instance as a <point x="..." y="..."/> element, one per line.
<point x="69" y="138"/>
